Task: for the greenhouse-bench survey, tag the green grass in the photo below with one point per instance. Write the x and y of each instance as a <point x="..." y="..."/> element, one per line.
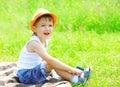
<point x="87" y="33"/>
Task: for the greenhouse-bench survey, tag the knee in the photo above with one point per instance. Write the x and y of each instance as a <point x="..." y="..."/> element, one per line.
<point x="48" y="67"/>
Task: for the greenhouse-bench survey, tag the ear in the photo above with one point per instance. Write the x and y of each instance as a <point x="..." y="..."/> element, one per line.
<point x="33" y="28"/>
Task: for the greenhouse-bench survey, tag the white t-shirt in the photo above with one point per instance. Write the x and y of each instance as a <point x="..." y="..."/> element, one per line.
<point x="28" y="60"/>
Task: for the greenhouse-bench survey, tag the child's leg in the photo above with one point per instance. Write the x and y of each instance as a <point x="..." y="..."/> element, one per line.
<point x="66" y="75"/>
<point x="63" y="74"/>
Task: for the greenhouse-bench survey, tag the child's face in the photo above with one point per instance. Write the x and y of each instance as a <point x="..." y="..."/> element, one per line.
<point x="43" y="28"/>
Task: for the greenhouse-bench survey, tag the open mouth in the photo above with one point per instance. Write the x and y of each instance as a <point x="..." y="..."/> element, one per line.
<point x="46" y="33"/>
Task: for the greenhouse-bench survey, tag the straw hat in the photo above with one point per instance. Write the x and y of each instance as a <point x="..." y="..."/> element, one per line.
<point x="40" y="12"/>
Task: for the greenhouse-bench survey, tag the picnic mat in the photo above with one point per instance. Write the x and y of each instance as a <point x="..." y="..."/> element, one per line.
<point x="8" y="78"/>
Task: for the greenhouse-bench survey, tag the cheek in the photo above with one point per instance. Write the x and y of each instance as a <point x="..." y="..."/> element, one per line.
<point x="39" y="30"/>
<point x="51" y="29"/>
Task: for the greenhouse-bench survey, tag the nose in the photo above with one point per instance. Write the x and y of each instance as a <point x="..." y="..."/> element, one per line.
<point x="47" y="28"/>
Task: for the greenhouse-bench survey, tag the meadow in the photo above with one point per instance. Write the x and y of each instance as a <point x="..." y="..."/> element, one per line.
<point x="87" y="33"/>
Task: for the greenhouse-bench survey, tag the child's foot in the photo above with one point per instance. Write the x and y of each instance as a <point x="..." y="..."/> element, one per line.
<point x="86" y="74"/>
<point x="80" y="80"/>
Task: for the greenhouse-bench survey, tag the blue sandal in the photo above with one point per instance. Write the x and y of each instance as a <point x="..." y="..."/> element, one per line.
<point x="86" y="72"/>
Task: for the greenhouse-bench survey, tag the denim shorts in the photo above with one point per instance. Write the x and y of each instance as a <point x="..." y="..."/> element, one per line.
<point x="33" y="76"/>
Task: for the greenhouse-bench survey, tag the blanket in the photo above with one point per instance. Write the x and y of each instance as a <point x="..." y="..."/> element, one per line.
<point x="8" y="78"/>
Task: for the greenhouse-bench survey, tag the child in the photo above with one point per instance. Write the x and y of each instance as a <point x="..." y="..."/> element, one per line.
<point x="35" y="64"/>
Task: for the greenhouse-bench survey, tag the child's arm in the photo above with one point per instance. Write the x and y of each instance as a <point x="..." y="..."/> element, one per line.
<point x="34" y="46"/>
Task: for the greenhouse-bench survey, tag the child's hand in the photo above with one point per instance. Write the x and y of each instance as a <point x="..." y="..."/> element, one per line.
<point x="75" y="71"/>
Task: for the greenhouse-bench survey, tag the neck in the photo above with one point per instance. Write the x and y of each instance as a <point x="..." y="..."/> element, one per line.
<point x="42" y="41"/>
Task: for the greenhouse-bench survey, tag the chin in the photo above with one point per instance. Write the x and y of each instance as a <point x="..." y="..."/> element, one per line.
<point x="47" y="38"/>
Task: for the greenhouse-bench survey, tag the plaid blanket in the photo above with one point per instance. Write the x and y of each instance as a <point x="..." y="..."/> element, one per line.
<point x="8" y="78"/>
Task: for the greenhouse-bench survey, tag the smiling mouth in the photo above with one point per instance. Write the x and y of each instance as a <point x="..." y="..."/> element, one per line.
<point x="46" y="33"/>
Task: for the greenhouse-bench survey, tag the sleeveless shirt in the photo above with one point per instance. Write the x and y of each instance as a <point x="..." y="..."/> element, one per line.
<point x="28" y="60"/>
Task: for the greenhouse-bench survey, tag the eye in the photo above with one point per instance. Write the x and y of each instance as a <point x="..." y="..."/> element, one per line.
<point x="42" y="25"/>
<point x="50" y="25"/>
